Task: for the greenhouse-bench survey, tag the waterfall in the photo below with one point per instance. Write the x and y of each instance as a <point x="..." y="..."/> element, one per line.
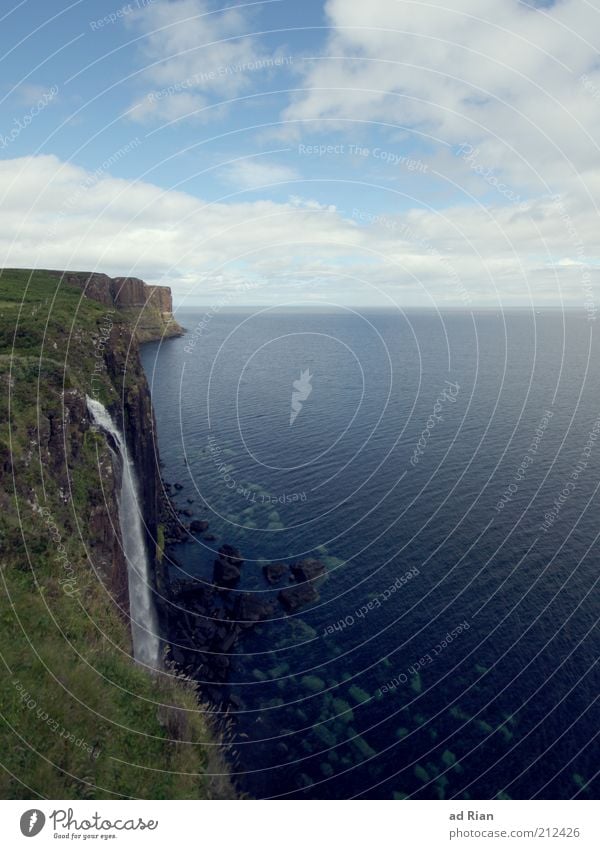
<point x="144" y="625"/>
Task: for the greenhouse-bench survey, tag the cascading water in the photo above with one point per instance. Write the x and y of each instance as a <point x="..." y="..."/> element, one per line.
<point x="144" y="625"/>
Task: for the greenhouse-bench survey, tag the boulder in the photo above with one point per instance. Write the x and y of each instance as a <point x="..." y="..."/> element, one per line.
<point x="225" y="639"/>
<point x="231" y="555"/>
<point x="293" y="598"/>
<point x="251" y="608"/>
<point x="274" y="572"/>
<point x="308" y="570"/>
<point x="225" y="573"/>
<point x="198" y="526"/>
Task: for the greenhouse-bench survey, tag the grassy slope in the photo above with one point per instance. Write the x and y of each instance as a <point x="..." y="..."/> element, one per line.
<point x="66" y="673"/>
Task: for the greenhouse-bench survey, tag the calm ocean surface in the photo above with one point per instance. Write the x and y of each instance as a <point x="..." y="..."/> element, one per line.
<point x="491" y="522"/>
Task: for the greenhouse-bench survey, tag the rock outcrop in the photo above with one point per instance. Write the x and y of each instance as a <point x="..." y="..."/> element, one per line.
<point x="149" y="307"/>
<point x="63" y="566"/>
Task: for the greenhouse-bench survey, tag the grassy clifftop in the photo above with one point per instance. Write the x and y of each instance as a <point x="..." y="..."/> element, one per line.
<point x="77" y="718"/>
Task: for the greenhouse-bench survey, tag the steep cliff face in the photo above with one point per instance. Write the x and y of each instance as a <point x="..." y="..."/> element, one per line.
<point x="133" y="412"/>
<point x="64" y="631"/>
<point x="148" y="308"/>
<point x="75" y="469"/>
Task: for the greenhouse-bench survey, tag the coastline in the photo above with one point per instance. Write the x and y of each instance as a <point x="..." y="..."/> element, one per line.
<point x="64" y="570"/>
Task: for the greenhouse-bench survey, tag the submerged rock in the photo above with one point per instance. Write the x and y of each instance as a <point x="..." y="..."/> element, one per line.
<point x="225" y="573"/>
<point x="231" y="554"/>
<point x="293" y="598"/>
<point x="251" y="608"/>
<point x="198" y="526"/>
<point x="308" y="570"/>
<point x="274" y="572"/>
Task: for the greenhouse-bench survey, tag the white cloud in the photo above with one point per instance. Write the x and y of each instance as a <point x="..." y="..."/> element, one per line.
<point x="56" y="215"/>
<point x="193" y="53"/>
<point x="30" y="94"/>
<point x="504" y="77"/>
<point x="252" y="173"/>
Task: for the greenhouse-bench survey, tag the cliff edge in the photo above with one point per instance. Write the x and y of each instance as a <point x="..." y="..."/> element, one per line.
<point x="81" y="718"/>
<point x="148" y="308"/>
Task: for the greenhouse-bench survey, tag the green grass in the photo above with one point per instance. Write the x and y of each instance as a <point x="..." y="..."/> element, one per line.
<point x="77" y="718"/>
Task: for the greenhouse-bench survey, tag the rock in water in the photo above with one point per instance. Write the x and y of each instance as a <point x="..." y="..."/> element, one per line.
<point x="293" y="598"/>
<point x="250" y="608"/>
<point x="308" y="570"/>
<point x="231" y="554"/>
<point x="225" y="573"/>
<point x="274" y="572"/>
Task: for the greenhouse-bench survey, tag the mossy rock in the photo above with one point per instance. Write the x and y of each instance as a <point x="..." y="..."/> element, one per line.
<point x="313" y="683"/>
<point x="363" y="748"/>
<point x="358" y="694"/>
<point x="416" y="684"/>
<point x="421" y="773"/>
<point x="458" y="713"/>
<point x="325" y="736"/>
<point x="448" y="758"/>
<point x="343" y="710"/>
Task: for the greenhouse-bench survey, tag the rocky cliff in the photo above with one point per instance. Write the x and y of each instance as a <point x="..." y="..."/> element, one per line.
<point x="64" y="630"/>
<point x="148" y="308"/>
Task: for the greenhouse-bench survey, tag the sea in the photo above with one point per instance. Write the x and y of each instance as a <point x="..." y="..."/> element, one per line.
<point x="444" y="468"/>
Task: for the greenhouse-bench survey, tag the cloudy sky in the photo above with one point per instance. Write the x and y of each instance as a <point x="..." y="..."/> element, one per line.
<point x="391" y="152"/>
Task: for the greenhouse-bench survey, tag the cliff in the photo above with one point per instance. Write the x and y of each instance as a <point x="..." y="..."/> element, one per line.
<point x="81" y="718"/>
<point x="149" y="309"/>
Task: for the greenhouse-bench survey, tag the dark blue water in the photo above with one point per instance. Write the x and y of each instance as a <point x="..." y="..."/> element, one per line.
<point x="361" y="693"/>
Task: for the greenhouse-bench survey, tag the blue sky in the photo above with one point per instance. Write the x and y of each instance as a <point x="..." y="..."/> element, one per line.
<point x="406" y="153"/>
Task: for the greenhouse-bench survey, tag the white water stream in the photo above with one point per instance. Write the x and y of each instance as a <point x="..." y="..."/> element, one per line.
<point x="144" y="625"/>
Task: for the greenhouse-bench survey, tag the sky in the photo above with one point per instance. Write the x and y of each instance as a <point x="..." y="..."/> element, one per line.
<point x="391" y="153"/>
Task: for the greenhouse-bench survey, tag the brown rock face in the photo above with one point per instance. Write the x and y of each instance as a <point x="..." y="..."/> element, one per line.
<point x="161" y="297"/>
<point x="155" y="303"/>
<point x="98" y="287"/>
<point x="129" y="292"/>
